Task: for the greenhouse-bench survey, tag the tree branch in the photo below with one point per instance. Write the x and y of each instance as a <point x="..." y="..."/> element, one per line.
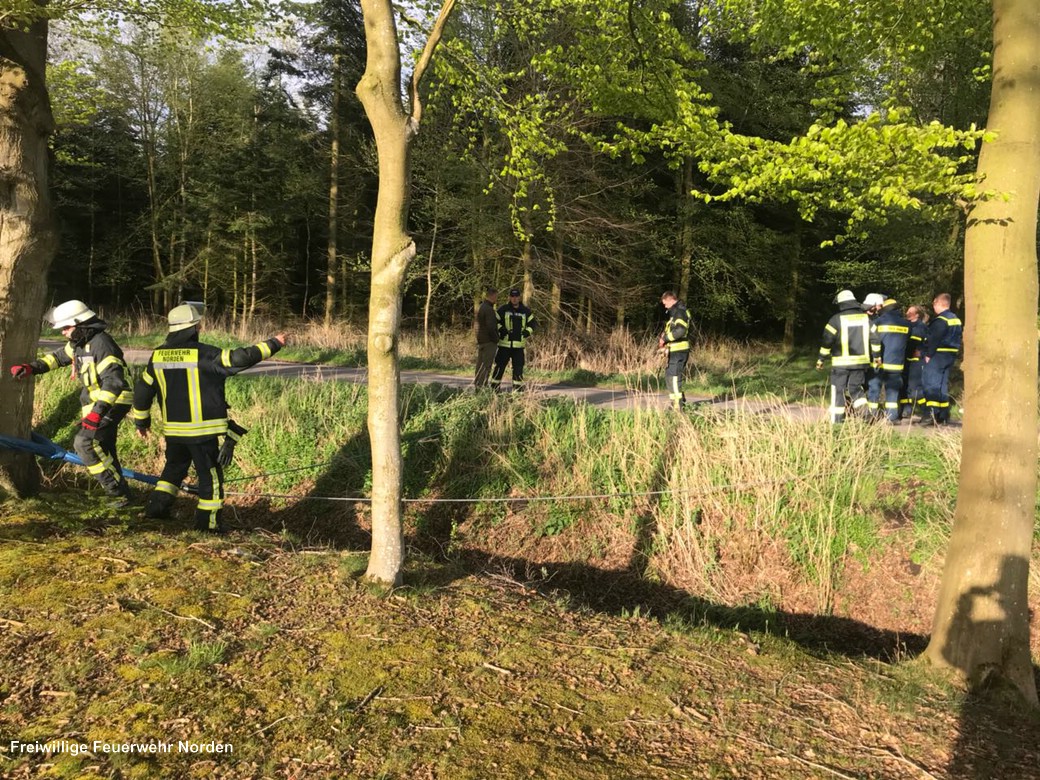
<point x="424" y="61"/>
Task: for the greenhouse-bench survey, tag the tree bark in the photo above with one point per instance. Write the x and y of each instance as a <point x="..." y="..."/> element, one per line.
<point x="686" y="211"/>
<point x="981" y="627"/>
<point x="331" y="267"/>
<point x="28" y="237"/>
<point x="392" y="249"/>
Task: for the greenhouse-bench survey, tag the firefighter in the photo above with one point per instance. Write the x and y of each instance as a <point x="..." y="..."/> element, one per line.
<point x="516" y="324"/>
<point x="846" y="341"/>
<point x="913" y="393"/>
<point x="187" y="377"/>
<point x="872" y="304"/>
<point x="675" y="340"/>
<point x="106" y="395"/>
<point x="888" y="350"/>
<point x="945" y="333"/>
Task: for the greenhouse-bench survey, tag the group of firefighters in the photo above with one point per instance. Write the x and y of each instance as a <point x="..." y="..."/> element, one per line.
<point x="880" y="360"/>
<point x="887" y="366"/>
<point x="184" y="375"/>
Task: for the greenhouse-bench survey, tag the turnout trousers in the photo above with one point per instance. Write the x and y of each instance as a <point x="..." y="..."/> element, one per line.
<point x="502" y="359"/>
<point x="847" y="388"/>
<point x="97" y="450"/>
<point x="673" y="377"/>
<point x="181" y="456"/>
<point x="936" y="381"/>
<point x="913" y="399"/>
<point x="888" y="384"/>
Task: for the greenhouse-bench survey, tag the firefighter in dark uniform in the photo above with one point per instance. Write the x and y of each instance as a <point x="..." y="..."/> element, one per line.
<point x="675" y="340"/>
<point x="913" y="390"/>
<point x="105" y="399"/>
<point x="945" y="334"/>
<point x="516" y="324"/>
<point x="888" y="350"/>
<point x="846" y="341"/>
<point x="872" y="304"/>
<point x="187" y="378"/>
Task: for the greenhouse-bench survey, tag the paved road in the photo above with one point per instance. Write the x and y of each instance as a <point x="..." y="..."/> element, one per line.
<point x="604" y="397"/>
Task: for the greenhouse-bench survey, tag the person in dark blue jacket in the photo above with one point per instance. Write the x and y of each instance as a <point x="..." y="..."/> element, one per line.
<point x="888" y="350"/>
<point x="945" y="335"/>
<point x="675" y="341"/>
<point x="913" y="390"/>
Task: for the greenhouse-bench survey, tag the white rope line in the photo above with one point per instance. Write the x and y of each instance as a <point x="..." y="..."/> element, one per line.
<point x="523" y="499"/>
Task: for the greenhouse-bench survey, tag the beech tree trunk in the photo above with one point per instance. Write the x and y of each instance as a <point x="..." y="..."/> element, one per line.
<point x="981" y="627"/>
<point x="392" y="249"/>
<point x="28" y="237"/>
<point x="332" y="261"/>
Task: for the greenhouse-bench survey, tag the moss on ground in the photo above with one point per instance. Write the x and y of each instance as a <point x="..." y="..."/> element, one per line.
<point x="119" y="634"/>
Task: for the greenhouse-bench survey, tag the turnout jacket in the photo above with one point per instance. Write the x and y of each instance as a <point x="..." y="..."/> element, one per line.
<point x="847" y="337"/>
<point x="514" y="325"/>
<point x="891" y="331"/>
<point x="945" y="333"/>
<point x="97" y="361"/>
<point x="187" y="378"/>
<point x="677" y="328"/>
<point x="915" y="344"/>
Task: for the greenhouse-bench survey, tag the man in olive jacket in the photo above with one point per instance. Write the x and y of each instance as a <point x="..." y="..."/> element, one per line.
<point x="487" y="337"/>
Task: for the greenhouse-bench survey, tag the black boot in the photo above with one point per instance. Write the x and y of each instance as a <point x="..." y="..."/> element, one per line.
<point x="159" y="505"/>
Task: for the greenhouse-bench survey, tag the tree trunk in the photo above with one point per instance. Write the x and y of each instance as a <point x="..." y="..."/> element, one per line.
<point x="333" y="259"/>
<point x="28" y="237"/>
<point x="791" y="299"/>
<point x="981" y="627"/>
<point x="429" y="281"/>
<point x="686" y="211"/>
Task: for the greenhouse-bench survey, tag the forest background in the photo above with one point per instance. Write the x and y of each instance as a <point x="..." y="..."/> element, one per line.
<point x="245" y="174"/>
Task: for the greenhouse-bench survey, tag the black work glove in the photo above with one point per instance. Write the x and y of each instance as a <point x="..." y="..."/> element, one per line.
<point x="227" y="449"/>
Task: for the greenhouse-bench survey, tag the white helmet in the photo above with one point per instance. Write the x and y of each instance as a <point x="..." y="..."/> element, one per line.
<point x="182" y="317"/>
<point x="69" y="313"/>
<point x="845" y="296"/>
<point x="872" y="300"/>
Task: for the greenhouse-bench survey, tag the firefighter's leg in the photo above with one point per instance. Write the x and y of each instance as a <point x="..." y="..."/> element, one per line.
<point x="945" y="364"/>
<point x="874" y="383"/>
<point x="178" y="461"/>
<point x="519" y="358"/>
<point x="893" y="385"/>
<point x="106" y="437"/>
<point x="501" y="360"/>
<point x="208" y="513"/>
<point x="674" y="374"/>
<point x="931" y="381"/>
<point x="99" y="464"/>
<point x="839" y="381"/>
<point x="857" y="378"/>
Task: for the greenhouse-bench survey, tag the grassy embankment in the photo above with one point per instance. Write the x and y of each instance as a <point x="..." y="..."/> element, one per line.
<point x="632" y="637"/>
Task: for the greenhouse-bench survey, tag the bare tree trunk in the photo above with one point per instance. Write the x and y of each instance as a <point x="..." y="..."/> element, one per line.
<point x="981" y="627"/>
<point x="28" y="237"/>
<point x="333" y="258"/>
<point x="686" y="207"/>
<point x="255" y="273"/>
<point x="555" y="292"/>
<point x="791" y="299"/>
<point x="392" y="250"/>
<point x="429" y="281"/>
